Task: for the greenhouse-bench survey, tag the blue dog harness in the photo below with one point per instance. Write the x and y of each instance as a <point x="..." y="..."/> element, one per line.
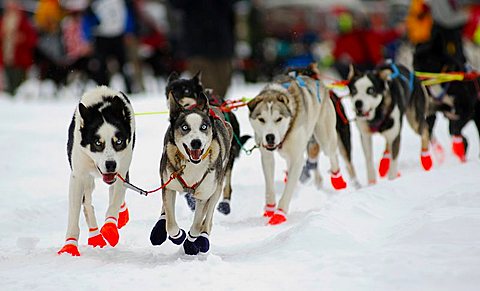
<point x="302" y="84"/>
<point x="397" y="74"/>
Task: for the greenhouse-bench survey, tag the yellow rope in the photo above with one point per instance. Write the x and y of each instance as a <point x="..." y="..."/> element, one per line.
<point x="151" y="113"/>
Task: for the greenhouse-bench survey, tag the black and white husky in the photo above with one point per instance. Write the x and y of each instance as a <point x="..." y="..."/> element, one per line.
<point x="381" y="98"/>
<point x="195" y="156"/>
<point x="100" y="144"/>
<point x="187" y="91"/>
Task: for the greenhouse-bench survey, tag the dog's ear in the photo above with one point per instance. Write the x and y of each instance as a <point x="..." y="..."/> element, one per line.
<point x="353" y="72"/>
<point x="84" y="113"/>
<point x="173" y="76"/>
<point x="197" y="79"/>
<point x="283" y="98"/>
<point x="175" y="107"/>
<point x="385" y="74"/>
<point x="253" y="103"/>
<point x="118" y="106"/>
<point x="202" y="102"/>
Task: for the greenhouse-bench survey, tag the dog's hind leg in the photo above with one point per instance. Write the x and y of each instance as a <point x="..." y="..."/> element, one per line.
<point x="327" y="136"/>
<point x="345" y="148"/>
<point x="175" y="234"/>
<point x="95" y="239"/>
<point x="75" y="197"/>
<point x="420" y="126"/>
<point x="116" y="197"/>
<point x="268" y="165"/>
<point x="395" y="149"/>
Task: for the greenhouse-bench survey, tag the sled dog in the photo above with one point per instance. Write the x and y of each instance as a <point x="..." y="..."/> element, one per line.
<point x="100" y="143"/>
<point x="194" y="160"/>
<point x="187" y="91"/>
<point x="380" y="99"/>
<point x="284" y="115"/>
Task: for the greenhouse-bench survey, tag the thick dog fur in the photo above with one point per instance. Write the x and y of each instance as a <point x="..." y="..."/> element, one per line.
<point x="101" y="138"/>
<point x="196" y="148"/>
<point x="187" y="91"/>
<point x="342" y="127"/>
<point x="380" y="102"/>
<point x="284" y="120"/>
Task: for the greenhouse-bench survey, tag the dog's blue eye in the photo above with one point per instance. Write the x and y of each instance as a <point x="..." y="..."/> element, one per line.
<point x="119" y="141"/>
<point x="98" y="142"/>
<point x="371" y="91"/>
<point x="203" y="127"/>
<point x="185" y="127"/>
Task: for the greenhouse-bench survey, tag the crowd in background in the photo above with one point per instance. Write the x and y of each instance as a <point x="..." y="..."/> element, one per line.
<point x="70" y="40"/>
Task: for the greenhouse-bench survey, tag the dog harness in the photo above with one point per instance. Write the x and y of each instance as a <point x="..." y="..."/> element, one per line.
<point x="302" y="84"/>
<point x="186" y="188"/>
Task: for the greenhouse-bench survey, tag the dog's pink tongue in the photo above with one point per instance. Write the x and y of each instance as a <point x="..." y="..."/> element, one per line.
<point x="195" y="154"/>
<point x="109" y="178"/>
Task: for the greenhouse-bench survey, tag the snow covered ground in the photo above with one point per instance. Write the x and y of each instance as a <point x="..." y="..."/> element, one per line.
<point x="419" y="232"/>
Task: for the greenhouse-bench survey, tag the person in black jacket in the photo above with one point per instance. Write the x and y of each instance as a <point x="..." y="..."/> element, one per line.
<point x="208" y="38"/>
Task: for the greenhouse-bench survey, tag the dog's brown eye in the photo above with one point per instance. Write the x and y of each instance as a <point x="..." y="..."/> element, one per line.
<point x="371" y="91"/>
<point x="278" y="120"/>
<point x="261" y="120"/>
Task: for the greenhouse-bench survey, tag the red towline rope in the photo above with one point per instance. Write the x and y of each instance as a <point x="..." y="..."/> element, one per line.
<point x="130" y="186"/>
<point x="230" y="105"/>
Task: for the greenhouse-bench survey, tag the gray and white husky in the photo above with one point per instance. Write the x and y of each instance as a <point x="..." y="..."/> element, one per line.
<point x="284" y="116"/>
<point x="101" y="138"/>
<point x="195" y="155"/>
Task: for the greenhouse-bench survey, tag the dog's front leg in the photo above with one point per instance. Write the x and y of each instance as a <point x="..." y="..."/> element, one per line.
<point x="393" y="172"/>
<point x="116" y="197"/>
<point x="367" y="151"/>
<point x="74" y="205"/>
<point x="175" y="234"/>
<point x="294" y="170"/>
<point x="95" y="239"/>
<point x="268" y="166"/>
<point x="199" y="241"/>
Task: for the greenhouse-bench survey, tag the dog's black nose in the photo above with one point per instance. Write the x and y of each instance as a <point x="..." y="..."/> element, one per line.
<point x="270" y="138"/>
<point x="110" y="166"/>
<point x="358" y="104"/>
<point x="196" y="144"/>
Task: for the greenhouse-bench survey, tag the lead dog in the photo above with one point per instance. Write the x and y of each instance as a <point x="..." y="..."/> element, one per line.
<point x="187" y="91"/>
<point x="101" y="138"/>
<point x="194" y="160"/>
<point x="284" y="115"/>
<point x="381" y="98"/>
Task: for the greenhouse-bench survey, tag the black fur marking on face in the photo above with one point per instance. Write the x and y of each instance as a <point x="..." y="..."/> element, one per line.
<point x="113" y="111"/>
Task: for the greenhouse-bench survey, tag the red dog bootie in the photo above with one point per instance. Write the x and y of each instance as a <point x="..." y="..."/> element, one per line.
<point x="337" y="181"/>
<point x="70" y="247"/>
<point x="123" y="216"/>
<point x="269" y="210"/>
<point x="278" y="217"/>
<point x="458" y="147"/>
<point x="110" y="231"/>
<point x="384" y="164"/>
<point x="95" y="239"/>
<point x="426" y="160"/>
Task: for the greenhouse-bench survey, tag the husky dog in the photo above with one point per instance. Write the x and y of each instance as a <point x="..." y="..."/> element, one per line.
<point x="284" y="115"/>
<point x="343" y="131"/>
<point x="187" y="91"/>
<point x="381" y="98"/>
<point x="195" y="156"/>
<point x="101" y="138"/>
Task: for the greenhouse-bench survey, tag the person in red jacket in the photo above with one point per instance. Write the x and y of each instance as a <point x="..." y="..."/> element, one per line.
<point x="17" y="42"/>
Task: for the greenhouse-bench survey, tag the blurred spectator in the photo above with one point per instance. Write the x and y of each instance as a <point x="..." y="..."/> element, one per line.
<point x="360" y="45"/>
<point x="50" y="53"/>
<point x="17" y="43"/>
<point x="110" y="24"/>
<point x="419" y="22"/>
<point x="209" y="40"/>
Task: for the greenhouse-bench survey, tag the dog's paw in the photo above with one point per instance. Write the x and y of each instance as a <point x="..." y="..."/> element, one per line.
<point x="123" y="216"/>
<point x="96" y="239"/>
<point x="426" y="160"/>
<point x="190" y="201"/>
<point x="269" y="210"/>
<point x="356" y="184"/>
<point x="278" y="217"/>
<point x="202" y="242"/>
<point x="179" y="238"/>
<point x="224" y="207"/>
<point x="70" y="248"/>
<point x="458" y="147"/>
<point x="159" y="232"/>
<point x="384" y="164"/>
<point x="110" y="232"/>
<point x="337" y="181"/>
<point x="190" y="247"/>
